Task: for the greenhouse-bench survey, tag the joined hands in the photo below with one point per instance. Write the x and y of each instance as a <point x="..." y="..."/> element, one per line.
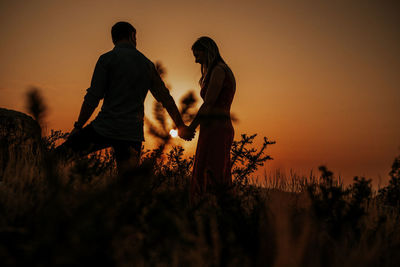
<point x="186" y="133"/>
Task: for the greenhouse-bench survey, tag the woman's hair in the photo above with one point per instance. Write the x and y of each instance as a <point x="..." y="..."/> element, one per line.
<point x="213" y="57"/>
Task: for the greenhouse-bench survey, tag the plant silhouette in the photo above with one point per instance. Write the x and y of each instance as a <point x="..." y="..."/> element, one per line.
<point x="35" y="104"/>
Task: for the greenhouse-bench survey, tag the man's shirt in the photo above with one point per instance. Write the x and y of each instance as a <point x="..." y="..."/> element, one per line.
<point x="122" y="77"/>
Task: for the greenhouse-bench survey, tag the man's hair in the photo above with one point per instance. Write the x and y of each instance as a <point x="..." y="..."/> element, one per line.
<point x="121" y="30"/>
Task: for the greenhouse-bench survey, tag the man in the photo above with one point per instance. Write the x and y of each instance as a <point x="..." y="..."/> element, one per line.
<point x="122" y="78"/>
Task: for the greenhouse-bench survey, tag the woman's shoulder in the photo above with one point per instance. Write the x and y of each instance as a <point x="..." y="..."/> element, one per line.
<point x="221" y="66"/>
<point x="222" y="69"/>
<point x="219" y="69"/>
<point x="227" y="70"/>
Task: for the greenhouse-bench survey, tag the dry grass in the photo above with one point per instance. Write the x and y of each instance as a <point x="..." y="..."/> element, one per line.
<point x="82" y="213"/>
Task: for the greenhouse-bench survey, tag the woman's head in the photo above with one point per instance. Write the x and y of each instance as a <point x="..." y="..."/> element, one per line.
<point x="206" y="53"/>
<point x="206" y="50"/>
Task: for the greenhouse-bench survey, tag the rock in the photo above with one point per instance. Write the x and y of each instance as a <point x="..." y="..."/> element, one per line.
<point x="20" y="143"/>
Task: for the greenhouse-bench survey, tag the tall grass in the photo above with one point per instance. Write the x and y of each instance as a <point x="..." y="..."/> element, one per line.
<point x="81" y="212"/>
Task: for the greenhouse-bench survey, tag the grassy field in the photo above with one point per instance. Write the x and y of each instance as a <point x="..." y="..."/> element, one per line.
<point x="81" y="212"/>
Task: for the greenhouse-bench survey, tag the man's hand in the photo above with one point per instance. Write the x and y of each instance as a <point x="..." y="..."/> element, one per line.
<point x="186" y="133"/>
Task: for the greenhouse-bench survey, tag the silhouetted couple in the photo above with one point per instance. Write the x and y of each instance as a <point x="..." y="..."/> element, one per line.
<point x="122" y="78"/>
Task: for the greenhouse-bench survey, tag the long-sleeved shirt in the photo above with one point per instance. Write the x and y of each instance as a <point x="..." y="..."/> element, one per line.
<point x="122" y="77"/>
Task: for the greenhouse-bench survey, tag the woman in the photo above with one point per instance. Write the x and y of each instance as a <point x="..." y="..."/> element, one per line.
<point x="212" y="166"/>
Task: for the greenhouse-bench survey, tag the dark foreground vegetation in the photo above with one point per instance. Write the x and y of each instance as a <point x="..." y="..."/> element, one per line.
<point x="82" y="213"/>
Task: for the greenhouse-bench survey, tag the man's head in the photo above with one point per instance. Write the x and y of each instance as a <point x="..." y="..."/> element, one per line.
<point x="123" y="31"/>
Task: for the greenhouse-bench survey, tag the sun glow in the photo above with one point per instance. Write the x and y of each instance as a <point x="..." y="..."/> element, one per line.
<point x="173" y="133"/>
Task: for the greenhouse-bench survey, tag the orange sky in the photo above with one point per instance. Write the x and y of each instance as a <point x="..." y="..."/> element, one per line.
<point x="322" y="79"/>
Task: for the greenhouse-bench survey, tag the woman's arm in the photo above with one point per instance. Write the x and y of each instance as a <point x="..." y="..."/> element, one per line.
<point x="213" y="91"/>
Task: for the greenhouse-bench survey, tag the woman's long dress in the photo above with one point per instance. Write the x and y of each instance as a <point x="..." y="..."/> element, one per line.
<point x="212" y="165"/>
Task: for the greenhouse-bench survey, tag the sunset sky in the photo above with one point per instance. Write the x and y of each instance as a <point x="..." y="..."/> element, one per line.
<point x="321" y="78"/>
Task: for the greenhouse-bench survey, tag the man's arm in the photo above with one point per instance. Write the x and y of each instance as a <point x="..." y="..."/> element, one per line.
<point x="84" y="115"/>
<point x="161" y="94"/>
<point x="173" y="111"/>
<point x="93" y="95"/>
